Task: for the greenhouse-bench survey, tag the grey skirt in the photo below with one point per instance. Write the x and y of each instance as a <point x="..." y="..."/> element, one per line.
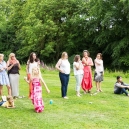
<point x="14" y="83"/>
<point x="98" y="77"/>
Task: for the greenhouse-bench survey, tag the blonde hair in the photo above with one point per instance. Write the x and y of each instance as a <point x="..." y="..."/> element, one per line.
<point x="63" y="55"/>
<point x="1" y="55"/>
<point x="10" y="55"/>
<point x="36" y="69"/>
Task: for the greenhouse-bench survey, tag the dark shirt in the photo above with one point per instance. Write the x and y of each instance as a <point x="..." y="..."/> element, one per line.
<point x="14" y="69"/>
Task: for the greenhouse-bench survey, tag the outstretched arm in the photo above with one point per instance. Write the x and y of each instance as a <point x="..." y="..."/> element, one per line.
<point x="44" y="84"/>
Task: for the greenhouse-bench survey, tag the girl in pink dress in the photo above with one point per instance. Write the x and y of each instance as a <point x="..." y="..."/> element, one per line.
<point x="87" y="77"/>
<point x="36" y="94"/>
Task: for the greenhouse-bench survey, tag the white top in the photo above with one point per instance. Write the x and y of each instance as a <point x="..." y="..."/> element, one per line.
<point x="79" y="71"/>
<point x="99" y="65"/>
<point x="65" y="66"/>
<point x="32" y="65"/>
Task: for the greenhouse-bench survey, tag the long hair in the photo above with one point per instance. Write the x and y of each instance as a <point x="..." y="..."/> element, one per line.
<point x="76" y="58"/>
<point x="63" y="55"/>
<point x="31" y="60"/>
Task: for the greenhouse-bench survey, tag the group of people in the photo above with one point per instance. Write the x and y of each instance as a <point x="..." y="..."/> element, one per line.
<point x="9" y="76"/>
<point x="82" y="72"/>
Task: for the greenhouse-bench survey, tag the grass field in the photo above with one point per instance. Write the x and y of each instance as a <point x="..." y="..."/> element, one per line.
<point x="102" y="111"/>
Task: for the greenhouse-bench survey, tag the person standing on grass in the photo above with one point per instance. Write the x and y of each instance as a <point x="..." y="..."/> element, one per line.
<point x="120" y="87"/>
<point x="63" y="66"/>
<point x="87" y="77"/>
<point x="78" y="73"/>
<point x="32" y="62"/>
<point x="13" y="72"/>
<point x="4" y="80"/>
<point x="99" y="71"/>
<point x="36" y="94"/>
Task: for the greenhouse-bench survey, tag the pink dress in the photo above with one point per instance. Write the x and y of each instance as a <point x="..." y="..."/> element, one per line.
<point x="87" y="77"/>
<point x="36" y="95"/>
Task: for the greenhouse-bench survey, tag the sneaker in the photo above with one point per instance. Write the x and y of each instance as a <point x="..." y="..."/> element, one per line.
<point x="4" y="98"/>
<point x="65" y="97"/>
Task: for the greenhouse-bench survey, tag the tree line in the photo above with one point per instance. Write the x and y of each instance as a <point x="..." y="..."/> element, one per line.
<point x="49" y="27"/>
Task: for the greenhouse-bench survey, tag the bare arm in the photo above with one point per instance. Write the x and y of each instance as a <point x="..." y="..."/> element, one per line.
<point x="9" y="67"/>
<point x="58" y="65"/>
<point x="44" y="85"/>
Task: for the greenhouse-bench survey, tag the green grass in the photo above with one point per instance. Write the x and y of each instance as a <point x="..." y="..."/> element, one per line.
<point x="107" y="111"/>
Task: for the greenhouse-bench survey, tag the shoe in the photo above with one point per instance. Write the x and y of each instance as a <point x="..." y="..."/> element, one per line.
<point x="78" y="95"/>
<point x="84" y="92"/>
<point x="89" y="91"/>
<point x="100" y="90"/>
<point x="65" y="97"/>
<point x="4" y="98"/>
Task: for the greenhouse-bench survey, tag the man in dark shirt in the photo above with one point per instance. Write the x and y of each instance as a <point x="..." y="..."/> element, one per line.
<point x="120" y="87"/>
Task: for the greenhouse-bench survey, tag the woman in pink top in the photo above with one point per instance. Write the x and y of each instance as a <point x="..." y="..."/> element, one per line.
<point x="87" y="77"/>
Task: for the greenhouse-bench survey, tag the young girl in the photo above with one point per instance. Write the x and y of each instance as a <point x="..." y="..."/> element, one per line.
<point x="78" y="73"/>
<point x="7" y="102"/>
<point x="36" y="94"/>
<point x="99" y="71"/>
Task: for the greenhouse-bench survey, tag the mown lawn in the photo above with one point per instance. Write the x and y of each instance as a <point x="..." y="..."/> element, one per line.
<point x="102" y="111"/>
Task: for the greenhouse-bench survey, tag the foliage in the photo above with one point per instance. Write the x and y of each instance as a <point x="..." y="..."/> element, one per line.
<point x="49" y="27"/>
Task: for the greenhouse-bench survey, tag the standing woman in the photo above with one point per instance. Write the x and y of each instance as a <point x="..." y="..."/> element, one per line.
<point x="63" y="66"/>
<point x="4" y="80"/>
<point x="99" y="71"/>
<point x="32" y="62"/>
<point x="87" y="77"/>
<point x="13" y="72"/>
<point x="78" y="73"/>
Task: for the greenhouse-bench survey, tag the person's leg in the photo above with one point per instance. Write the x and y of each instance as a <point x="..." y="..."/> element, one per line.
<point x="77" y="85"/>
<point x="62" y="80"/>
<point x="1" y="90"/>
<point x="97" y="86"/>
<point x="9" y="90"/>
<point x="66" y="83"/>
<point x="123" y="90"/>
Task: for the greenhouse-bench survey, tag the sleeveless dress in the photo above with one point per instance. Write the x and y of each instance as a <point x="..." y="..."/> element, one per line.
<point x="36" y="95"/>
<point x="4" y="80"/>
<point x="87" y="77"/>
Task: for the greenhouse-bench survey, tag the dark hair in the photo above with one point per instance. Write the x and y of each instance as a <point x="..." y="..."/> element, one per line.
<point x="118" y="77"/>
<point x="87" y="52"/>
<point x="76" y="58"/>
<point x="100" y="55"/>
<point x="31" y="58"/>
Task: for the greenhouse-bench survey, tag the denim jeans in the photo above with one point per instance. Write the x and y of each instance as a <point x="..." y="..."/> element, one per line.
<point x="64" y="78"/>
<point x="121" y="91"/>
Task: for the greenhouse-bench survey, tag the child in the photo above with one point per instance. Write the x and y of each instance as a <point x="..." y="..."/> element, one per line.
<point x="7" y="102"/>
<point x="36" y="94"/>
<point x="99" y="72"/>
<point x="78" y="73"/>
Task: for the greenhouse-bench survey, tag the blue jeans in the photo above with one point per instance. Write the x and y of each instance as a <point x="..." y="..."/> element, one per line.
<point x="121" y="91"/>
<point x="64" y="78"/>
<point x="1" y="103"/>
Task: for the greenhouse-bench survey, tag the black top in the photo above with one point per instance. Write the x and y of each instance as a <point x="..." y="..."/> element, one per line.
<point x="14" y="69"/>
